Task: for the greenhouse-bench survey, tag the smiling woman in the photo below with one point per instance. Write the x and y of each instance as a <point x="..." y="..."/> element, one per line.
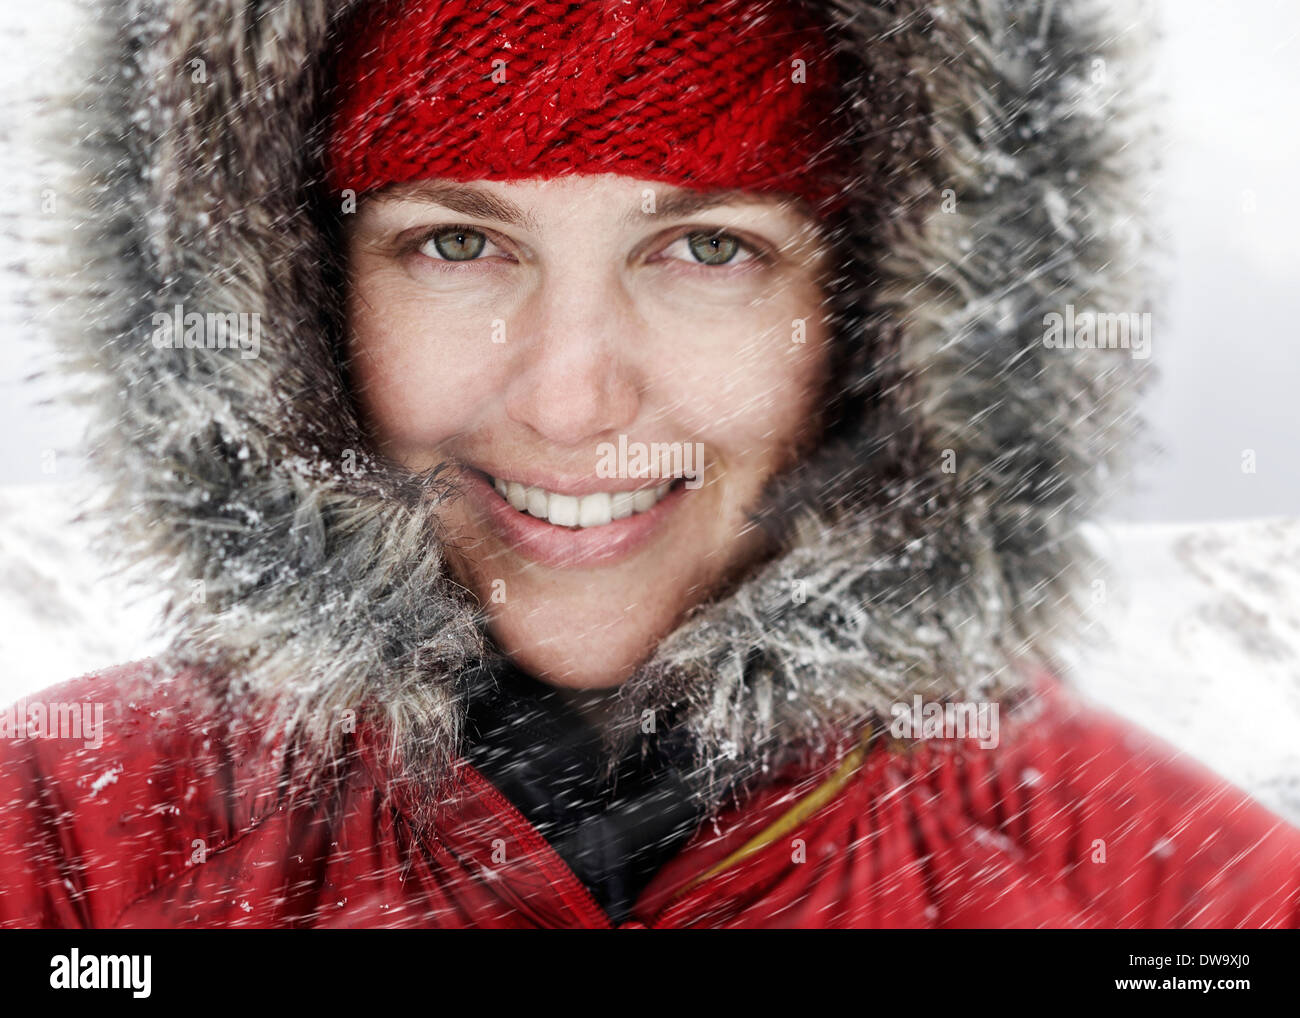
<point x="572" y="313"/>
<point x="442" y="655"/>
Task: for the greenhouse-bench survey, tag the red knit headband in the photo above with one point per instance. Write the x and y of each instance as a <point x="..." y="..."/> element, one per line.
<point x="700" y="93"/>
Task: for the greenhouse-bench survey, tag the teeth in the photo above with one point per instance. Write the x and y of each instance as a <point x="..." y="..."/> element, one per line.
<point x="563" y="511"/>
<point x="579" y="511"/>
<point x="594" y="510"/>
<point x="644" y="499"/>
<point x="621" y="505"/>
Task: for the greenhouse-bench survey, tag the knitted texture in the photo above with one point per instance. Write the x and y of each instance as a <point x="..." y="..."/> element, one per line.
<point x="708" y="94"/>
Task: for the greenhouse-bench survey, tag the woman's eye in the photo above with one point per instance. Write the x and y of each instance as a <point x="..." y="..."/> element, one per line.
<point x="454" y="244"/>
<point x="711" y="248"/>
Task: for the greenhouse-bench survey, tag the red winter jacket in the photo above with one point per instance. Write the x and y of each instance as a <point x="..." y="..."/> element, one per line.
<point x="1076" y="819"/>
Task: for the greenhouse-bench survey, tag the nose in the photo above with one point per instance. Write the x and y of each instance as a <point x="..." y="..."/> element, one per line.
<point x="573" y="374"/>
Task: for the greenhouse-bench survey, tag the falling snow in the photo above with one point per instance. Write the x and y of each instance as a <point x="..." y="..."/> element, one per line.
<point x="318" y="712"/>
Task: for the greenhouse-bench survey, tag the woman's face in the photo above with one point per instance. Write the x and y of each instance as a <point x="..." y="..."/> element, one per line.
<point x="628" y="362"/>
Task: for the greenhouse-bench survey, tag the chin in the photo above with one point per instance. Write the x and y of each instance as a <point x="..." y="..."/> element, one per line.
<point x="594" y="654"/>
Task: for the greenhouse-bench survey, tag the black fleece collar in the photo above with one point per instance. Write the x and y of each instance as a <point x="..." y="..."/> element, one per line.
<point x="615" y="830"/>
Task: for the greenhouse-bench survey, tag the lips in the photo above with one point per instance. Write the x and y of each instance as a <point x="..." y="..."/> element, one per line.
<point x="575" y="544"/>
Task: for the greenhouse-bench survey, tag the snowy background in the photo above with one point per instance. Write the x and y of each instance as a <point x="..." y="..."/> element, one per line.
<point x="1203" y="612"/>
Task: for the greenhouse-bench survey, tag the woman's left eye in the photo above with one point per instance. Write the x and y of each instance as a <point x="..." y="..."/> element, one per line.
<point x="711" y="248"/>
<point x="455" y="244"/>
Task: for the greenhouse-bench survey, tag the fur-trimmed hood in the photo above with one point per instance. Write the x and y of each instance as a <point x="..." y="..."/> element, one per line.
<point x="931" y="546"/>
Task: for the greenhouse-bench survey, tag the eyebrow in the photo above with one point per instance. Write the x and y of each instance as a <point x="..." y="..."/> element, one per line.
<point x="467" y="200"/>
<point x="685" y="202"/>
<point x="473" y="201"/>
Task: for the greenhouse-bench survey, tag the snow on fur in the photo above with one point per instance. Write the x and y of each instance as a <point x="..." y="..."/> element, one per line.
<point x="1000" y="179"/>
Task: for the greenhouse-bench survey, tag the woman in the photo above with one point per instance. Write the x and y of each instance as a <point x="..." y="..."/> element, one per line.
<point x="641" y="417"/>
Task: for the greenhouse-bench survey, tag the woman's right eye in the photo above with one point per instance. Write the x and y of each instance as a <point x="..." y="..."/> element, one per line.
<point x="455" y="244"/>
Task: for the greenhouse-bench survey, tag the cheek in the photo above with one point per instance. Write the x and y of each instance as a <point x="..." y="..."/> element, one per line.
<point x="752" y="390"/>
<point x="422" y="370"/>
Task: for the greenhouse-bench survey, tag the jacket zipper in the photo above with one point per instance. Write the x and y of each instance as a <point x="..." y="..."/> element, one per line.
<point x="571" y="888"/>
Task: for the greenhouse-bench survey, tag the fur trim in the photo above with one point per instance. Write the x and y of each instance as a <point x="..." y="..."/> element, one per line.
<point x="932" y="540"/>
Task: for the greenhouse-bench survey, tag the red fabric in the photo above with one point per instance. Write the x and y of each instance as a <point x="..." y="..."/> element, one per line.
<point x="700" y="93"/>
<point x="941" y="835"/>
